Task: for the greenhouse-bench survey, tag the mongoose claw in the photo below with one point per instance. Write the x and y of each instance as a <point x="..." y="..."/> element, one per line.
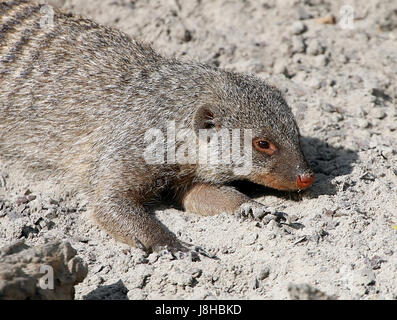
<point x="253" y="210"/>
<point x="185" y="250"/>
<point x="140" y="245"/>
<point x="205" y="253"/>
<point x="179" y="253"/>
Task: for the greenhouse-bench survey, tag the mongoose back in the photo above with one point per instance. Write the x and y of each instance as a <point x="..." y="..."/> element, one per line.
<point x="77" y="100"/>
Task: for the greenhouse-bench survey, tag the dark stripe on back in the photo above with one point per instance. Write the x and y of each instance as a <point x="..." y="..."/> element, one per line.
<point x="6" y="6"/>
<point x="9" y="26"/>
<point x="44" y="43"/>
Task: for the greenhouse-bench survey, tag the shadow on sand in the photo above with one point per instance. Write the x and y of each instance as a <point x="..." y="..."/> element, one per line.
<point x="116" y="291"/>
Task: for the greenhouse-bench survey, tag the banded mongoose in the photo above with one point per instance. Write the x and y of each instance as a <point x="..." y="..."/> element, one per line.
<point x="77" y="100"/>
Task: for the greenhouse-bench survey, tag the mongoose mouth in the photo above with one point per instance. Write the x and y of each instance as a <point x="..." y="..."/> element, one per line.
<point x="304" y="181"/>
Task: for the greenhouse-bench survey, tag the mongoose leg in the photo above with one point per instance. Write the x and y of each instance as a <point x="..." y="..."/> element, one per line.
<point x="129" y="222"/>
<point x="210" y="200"/>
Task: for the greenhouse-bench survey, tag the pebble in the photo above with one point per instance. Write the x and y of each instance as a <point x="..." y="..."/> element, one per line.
<point x="280" y="67"/>
<point x="342" y="58"/>
<point x="153" y="257"/>
<point x="21" y="200"/>
<point x="31" y="197"/>
<point x="298" y="28"/>
<point x="387" y="152"/>
<point x="379" y="113"/>
<point x="321" y="60"/>
<point x="393" y="126"/>
<point x="363" y="123"/>
<point x="54" y="202"/>
<point x="376" y="262"/>
<point x="251" y="239"/>
<point x="135" y="294"/>
<point x="3" y="182"/>
<point x="264" y="273"/>
<point x="298" y="45"/>
<point x="182" y="279"/>
<point x="196" y="273"/>
<point x="255" y="284"/>
<point x="314" y="47"/>
<point x="302" y="14"/>
<point x="327" y="107"/>
<point x="97" y="269"/>
<point x="365" y="277"/>
<point x="271" y="225"/>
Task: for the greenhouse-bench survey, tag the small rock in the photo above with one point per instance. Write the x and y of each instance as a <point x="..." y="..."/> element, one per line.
<point x="280" y="68"/>
<point x="54" y="202"/>
<point x="365" y="277"/>
<point x="272" y="225"/>
<point x="264" y="273"/>
<point x="135" y="294"/>
<point x="298" y="45"/>
<point x="153" y="257"/>
<point x="315" y="83"/>
<point x="21" y="272"/>
<point x="363" y="123"/>
<point x="379" y="113"/>
<point x="298" y="28"/>
<point x="314" y="47"/>
<point x="302" y="14"/>
<point x="251" y="239"/>
<point x="21" y="200"/>
<point x="393" y="126"/>
<point x="376" y="262"/>
<point x="327" y="107"/>
<point x="31" y="198"/>
<point x="3" y="182"/>
<point x="342" y="58"/>
<point x="255" y="284"/>
<point x="97" y="269"/>
<point x="387" y="152"/>
<point x="321" y="61"/>
<point x="368" y="177"/>
<point x="196" y="273"/>
<point x="187" y="36"/>
<point x="182" y="279"/>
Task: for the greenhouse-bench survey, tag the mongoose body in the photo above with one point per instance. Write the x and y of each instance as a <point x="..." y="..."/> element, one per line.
<point x="77" y="100"/>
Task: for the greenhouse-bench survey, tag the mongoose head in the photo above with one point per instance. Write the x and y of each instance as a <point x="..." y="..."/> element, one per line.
<point x="246" y="102"/>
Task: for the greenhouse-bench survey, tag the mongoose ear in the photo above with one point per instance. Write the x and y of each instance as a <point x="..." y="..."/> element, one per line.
<point x="206" y="118"/>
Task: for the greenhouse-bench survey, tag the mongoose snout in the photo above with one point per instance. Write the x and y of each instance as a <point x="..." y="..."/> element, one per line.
<point x="305" y="180"/>
<point x="77" y="100"/>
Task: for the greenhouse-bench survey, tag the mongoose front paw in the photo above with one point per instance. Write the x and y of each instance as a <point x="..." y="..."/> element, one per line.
<point x="253" y="210"/>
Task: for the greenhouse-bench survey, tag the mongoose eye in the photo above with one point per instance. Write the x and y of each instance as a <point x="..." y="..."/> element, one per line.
<point x="265" y="146"/>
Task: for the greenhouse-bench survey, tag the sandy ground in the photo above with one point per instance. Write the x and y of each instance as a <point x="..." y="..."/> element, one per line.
<point x="341" y="82"/>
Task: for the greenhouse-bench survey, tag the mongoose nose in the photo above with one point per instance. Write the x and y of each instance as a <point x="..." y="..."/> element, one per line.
<point x="305" y="180"/>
